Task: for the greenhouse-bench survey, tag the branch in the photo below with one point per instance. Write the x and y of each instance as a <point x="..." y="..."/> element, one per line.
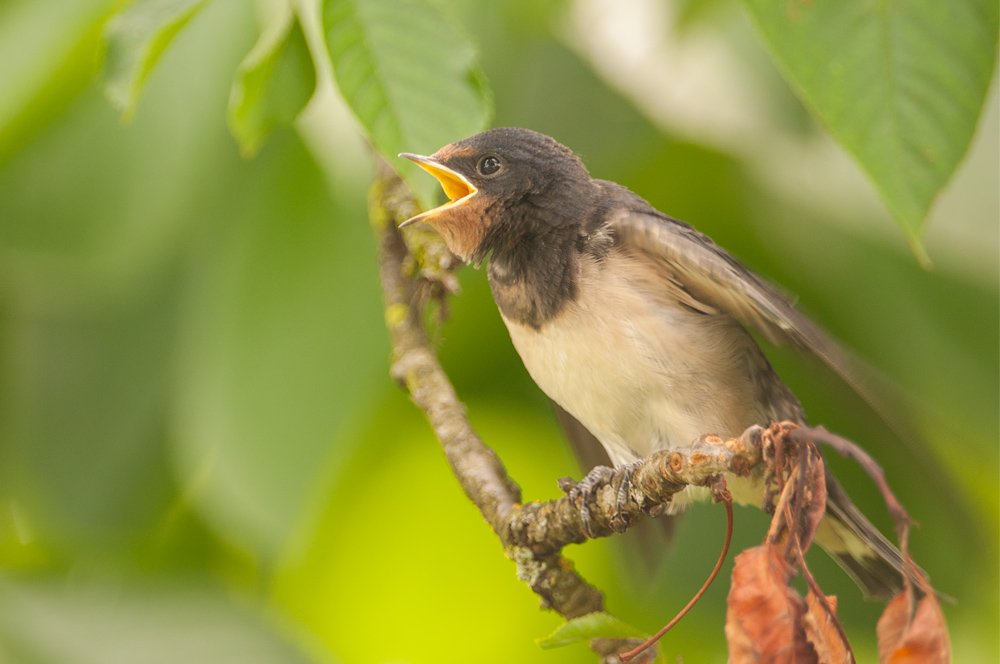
<point x="549" y="526"/>
<point x="415" y="365"/>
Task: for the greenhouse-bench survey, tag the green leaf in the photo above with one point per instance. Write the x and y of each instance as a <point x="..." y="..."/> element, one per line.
<point x="54" y="45"/>
<point x="899" y="84"/>
<point x="597" y="625"/>
<point x="274" y="82"/>
<point x="409" y="76"/>
<point x="134" y="40"/>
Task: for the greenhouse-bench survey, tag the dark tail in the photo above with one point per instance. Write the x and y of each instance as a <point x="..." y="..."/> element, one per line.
<point x="857" y="546"/>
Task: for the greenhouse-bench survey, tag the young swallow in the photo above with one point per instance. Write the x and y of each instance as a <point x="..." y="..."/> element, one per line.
<point x="634" y="322"/>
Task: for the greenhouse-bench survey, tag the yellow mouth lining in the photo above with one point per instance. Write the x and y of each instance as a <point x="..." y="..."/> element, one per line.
<point x="453" y="184"/>
<point x="457" y="188"/>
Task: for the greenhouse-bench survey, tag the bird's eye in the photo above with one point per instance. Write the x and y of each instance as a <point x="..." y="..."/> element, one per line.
<point x="489" y="165"/>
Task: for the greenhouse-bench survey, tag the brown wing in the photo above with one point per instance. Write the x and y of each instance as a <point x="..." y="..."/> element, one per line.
<point x="714" y="277"/>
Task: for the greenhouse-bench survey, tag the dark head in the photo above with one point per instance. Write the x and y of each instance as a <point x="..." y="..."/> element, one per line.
<point x="506" y="186"/>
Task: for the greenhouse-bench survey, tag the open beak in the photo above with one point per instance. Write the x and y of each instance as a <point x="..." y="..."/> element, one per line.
<point x="454" y="184"/>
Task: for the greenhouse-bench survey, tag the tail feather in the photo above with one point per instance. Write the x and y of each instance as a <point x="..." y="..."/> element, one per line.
<point x="858" y="547"/>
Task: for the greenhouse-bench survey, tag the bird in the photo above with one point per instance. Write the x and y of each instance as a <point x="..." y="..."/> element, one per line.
<point x="633" y="322"/>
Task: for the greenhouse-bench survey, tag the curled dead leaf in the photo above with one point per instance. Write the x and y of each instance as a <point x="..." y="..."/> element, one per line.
<point x="891" y="627"/>
<point x="764" y="614"/>
<point x="824" y="633"/>
<point x="801" y="503"/>
<point x="922" y="640"/>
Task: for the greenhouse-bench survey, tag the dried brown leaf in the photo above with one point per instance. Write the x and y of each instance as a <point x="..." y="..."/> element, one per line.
<point x="813" y="494"/>
<point x="925" y="639"/>
<point x="764" y="614"/>
<point x="891" y="628"/>
<point x="801" y="504"/>
<point x="824" y="633"/>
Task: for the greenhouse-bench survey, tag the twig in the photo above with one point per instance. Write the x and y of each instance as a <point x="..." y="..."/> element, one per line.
<point x="631" y="654"/>
<point x="549" y="526"/>
<point x="848" y="449"/>
<point x="821" y="597"/>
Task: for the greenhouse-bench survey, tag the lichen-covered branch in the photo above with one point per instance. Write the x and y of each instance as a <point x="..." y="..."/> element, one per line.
<point x="549" y="526"/>
<point x="415" y="365"/>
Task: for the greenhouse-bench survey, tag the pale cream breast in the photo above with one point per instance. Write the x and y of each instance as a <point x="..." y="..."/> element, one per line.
<point x="640" y="370"/>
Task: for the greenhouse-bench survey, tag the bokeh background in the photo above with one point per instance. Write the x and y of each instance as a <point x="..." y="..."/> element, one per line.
<point x="202" y="458"/>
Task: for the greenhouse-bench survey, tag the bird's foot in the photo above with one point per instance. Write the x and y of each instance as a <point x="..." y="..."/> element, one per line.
<point x="619" y="523"/>
<point x="585" y="491"/>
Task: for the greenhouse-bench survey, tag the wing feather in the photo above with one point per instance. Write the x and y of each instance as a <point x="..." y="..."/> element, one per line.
<point x="713" y="276"/>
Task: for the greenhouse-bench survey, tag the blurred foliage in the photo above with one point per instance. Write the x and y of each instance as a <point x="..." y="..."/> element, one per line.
<point x="274" y="82"/>
<point x="202" y="457"/>
<point x="594" y="625"/>
<point x="49" y="48"/>
<point x="106" y="624"/>
<point x="901" y="87"/>
<point x="134" y="40"/>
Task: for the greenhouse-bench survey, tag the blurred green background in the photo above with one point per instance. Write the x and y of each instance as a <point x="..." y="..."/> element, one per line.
<point x="202" y="457"/>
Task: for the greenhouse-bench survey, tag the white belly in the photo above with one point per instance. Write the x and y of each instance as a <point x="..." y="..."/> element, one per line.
<point x="640" y="371"/>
